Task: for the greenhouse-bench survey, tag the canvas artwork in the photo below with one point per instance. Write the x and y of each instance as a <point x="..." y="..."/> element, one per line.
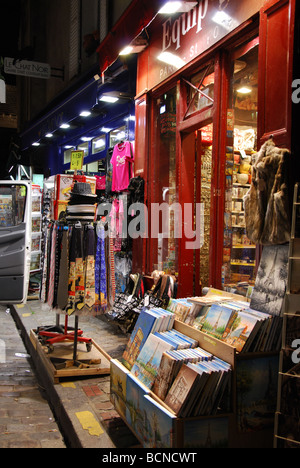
<point x="271" y="281"/>
<point x="135" y="416"/>
<point x="240" y="330"/>
<point x="148" y="361"/>
<point x="158" y="423"/>
<point x="216" y="320"/>
<point x="257" y="381"/>
<point x="206" y="433"/>
<point x="118" y="377"/>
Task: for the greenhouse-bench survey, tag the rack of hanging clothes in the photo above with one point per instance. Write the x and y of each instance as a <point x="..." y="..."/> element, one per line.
<point x="76" y="277"/>
<point x="77" y="268"/>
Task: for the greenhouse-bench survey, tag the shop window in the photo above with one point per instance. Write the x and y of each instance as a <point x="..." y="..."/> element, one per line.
<point x="239" y="256"/>
<point x="67" y="154"/>
<point x="205" y="160"/>
<point x="164" y="187"/>
<point x="200" y="93"/>
<point x="84" y="147"/>
<point x="118" y="135"/>
<point x="12" y="205"/>
<point x="92" y="167"/>
<point x="98" y="144"/>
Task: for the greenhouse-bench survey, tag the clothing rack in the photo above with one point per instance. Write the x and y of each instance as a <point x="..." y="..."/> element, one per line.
<point x="57" y="333"/>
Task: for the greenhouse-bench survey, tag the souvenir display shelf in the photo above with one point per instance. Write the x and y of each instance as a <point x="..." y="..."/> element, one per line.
<point x="200" y="432"/>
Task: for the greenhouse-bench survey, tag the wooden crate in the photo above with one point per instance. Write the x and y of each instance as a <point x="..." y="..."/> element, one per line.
<point x="58" y="364"/>
<point x="141" y="409"/>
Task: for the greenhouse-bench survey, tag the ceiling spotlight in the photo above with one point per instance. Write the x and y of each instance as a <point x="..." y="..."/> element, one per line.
<point x="171" y="59"/>
<point x="49" y="135"/>
<point x="85" y="114"/>
<point x="36" y="143"/>
<point x="127" y="50"/>
<point x="110" y="99"/>
<point x="86" y="139"/>
<point x="171" y="7"/>
<point x="65" y="126"/>
<point x="135" y="47"/>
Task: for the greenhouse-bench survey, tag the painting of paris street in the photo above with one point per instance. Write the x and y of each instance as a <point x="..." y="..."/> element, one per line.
<point x="271" y="281"/>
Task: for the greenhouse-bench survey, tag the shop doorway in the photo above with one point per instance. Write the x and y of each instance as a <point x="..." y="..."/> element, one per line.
<point x="196" y="199"/>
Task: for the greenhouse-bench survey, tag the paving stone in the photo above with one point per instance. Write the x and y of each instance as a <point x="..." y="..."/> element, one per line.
<point x="91" y="394"/>
<point x="25" y="416"/>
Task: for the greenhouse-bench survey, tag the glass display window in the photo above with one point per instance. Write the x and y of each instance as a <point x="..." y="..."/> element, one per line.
<point x="239" y="254"/>
<point x="200" y="94"/>
<point x="12" y="205"/>
<point x="117" y="135"/>
<point x="98" y="144"/>
<point x="68" y="153"/>
<point x="164" y="251"/>
<point x="84" y="147"/>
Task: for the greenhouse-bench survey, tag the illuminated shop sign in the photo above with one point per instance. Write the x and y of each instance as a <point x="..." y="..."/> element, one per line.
<point x="179" y="39"/>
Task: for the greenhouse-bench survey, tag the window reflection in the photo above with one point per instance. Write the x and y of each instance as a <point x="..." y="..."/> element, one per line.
<point x="201" y="90"/>
<point x="165" y="256"/>
<point x="12" y="205"/>
<point x="239" y="254"/>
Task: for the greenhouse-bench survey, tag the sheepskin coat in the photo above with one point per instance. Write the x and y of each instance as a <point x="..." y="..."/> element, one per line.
<point x="267" y="210"/>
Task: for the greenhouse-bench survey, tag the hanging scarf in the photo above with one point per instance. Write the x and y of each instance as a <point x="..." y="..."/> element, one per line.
<point x="90" y="293"/>
<point x="100" y="269"/>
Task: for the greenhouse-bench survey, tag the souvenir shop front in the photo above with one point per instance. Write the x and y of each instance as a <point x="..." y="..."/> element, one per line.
<point x="207" y="100"/>
<point x="84" y="190"/>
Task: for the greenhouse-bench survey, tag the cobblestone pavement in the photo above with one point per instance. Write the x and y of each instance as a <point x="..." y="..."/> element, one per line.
<point x="81" y="406"/>
<point x="26" y="420"/>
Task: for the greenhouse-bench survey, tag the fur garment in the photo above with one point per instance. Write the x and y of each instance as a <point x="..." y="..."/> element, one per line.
<point x="266" y="204"/>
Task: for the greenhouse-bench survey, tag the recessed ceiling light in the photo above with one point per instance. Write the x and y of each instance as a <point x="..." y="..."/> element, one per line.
<point x="86" y="138"/>
<point x="85" y="114"/>
<point x="65" y="125"/>
<point x="49" y="135"/>
<point x="36" y="143"/>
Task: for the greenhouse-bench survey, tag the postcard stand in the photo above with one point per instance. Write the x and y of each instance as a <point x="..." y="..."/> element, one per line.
<point x="196" y="432"/>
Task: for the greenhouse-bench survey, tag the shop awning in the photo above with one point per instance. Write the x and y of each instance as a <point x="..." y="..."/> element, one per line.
<point x="135" y="18"/>
<point x="83" y="98"/>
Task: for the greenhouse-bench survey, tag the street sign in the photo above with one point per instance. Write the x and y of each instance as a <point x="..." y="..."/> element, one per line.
<point x="26" y="68"/>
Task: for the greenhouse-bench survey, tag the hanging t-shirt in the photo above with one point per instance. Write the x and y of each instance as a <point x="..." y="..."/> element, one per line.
<point x="121" y="161"/>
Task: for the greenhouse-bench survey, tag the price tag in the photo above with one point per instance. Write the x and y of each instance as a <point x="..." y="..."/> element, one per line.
<point x="77" y="160"/>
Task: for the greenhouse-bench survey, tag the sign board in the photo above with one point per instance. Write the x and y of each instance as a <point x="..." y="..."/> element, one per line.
<point x="178" y="39"/>
<point x="77" y="160"/>
<point x="26" y="68"/>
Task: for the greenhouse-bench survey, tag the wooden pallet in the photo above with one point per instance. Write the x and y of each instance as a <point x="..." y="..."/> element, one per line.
<point x="60" y="363"/>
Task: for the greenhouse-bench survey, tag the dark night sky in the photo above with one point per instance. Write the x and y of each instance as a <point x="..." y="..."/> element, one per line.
<point x="9" y="14"/>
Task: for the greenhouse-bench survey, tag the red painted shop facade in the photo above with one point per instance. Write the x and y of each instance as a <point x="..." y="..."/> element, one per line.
<point x="213" y="84"/>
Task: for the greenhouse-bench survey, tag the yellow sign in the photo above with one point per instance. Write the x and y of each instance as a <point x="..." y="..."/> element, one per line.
<point x="77" y="160"/>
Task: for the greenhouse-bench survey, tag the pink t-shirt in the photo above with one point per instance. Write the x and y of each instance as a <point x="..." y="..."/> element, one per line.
<point x="121" y="161"/>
